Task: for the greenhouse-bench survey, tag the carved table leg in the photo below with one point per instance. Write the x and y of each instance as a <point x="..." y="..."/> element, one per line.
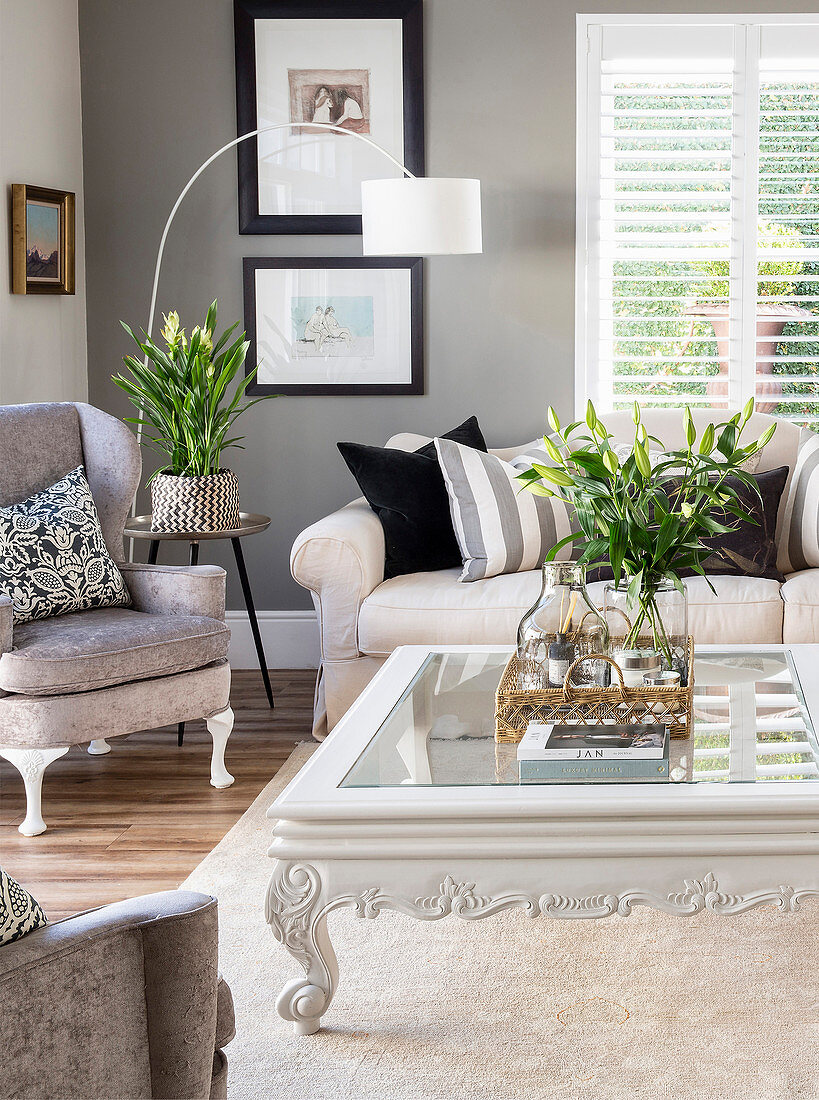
<point x="31" y="764"/>
<point x="299" y="922"/>
<point x="219" y="727"/>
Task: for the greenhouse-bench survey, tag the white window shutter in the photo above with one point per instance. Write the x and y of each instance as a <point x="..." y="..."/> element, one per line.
<point x="698" y="165"/>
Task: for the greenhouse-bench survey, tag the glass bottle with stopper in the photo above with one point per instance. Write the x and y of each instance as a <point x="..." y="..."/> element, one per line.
<point x="561" y="626"/>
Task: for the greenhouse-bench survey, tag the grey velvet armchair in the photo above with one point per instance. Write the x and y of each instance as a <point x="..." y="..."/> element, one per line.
<point x="81" y="678"/>
<point x="123" y="1001"/>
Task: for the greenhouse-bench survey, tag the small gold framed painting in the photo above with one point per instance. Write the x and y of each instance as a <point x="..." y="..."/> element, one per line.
<point x="42" y="235"/>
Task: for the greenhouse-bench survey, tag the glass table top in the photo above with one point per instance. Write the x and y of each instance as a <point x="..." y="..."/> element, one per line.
<point x="750" y="724"/>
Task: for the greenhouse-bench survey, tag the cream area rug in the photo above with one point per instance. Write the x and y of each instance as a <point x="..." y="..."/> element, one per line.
<point x="509" y="1008"/>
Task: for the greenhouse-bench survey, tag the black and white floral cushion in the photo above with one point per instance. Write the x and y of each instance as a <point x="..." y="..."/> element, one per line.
<point x="19" y="912"/>
<point x="53" y="557"/>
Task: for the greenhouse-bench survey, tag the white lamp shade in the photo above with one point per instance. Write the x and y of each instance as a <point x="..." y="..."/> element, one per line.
<point x="427" y="216"/>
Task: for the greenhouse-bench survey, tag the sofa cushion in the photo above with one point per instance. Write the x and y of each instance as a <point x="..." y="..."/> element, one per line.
<point x="95" y="649"/>
<point x="434" y="609"/>
<point x="53" y="556"/>
<point x="802" y="588"/>
<point x="799" y="536"/>
<point x="19" y="912"/>
<point x="749" y="548"/>
<point x="406" y="491"/>
<point x="800" y="595"/>
<point x="500" y="527"/>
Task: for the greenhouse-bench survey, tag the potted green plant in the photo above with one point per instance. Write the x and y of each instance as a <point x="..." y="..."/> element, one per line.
<point x="646" y="513"/>
<point x="188" y="395"/>
<point x="776" y="279"/>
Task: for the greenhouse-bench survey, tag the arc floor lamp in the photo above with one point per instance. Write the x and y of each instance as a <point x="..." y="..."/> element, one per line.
<point x="407" y="216"/>
<point x="410" y="216"/>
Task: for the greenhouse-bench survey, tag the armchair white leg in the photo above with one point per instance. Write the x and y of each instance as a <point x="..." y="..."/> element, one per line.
<point x="219" y="727"/>
<point x="99" y="747"/>
<point x="31" y="764"/>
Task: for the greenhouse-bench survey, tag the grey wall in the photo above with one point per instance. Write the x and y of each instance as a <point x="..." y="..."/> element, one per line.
<point x="42" y="336"/>
<point x="158" y="98"/>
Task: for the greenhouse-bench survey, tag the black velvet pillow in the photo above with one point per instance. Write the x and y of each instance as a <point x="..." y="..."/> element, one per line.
<point x="748" y="551"/>
<point x="406" y="491"/>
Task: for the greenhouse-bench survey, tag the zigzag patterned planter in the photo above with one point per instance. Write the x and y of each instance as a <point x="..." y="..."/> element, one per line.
<point x="205" y="502"/>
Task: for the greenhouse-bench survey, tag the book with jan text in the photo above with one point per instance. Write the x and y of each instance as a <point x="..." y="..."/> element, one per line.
<point x="555" y="742"/>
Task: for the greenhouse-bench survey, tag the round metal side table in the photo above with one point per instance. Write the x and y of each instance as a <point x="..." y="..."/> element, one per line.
<point x="250" y="523"/>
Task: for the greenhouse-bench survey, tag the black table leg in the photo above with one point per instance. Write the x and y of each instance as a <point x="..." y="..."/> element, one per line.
<point x="251" y="614"/>
<point x="193" y="559"/>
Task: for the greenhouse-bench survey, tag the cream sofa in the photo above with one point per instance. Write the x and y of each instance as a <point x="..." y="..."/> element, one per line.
<point x="363" y="618"/>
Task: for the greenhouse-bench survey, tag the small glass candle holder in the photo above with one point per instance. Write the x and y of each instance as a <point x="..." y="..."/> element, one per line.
<point x="637" y="664"/>
<point x="662" y="679"/>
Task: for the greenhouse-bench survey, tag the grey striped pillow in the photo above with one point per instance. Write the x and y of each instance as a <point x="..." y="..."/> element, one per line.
<point x="799" y="537"/>
<point x="500" y="528"/>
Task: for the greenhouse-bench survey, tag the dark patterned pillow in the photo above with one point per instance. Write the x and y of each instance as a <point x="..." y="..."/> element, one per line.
<point x="53" y="557"/>
<point x="19" y="912"/>
<point x="749" y="550"/>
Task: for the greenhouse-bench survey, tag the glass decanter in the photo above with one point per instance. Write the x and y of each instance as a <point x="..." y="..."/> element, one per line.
<point x="563" y="625"/>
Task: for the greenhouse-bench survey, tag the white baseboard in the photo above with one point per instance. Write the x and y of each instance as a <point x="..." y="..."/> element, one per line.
<point x="290" y="638"/>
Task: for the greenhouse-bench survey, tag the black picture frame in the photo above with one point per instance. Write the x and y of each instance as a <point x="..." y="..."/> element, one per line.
<point x="415" y="265"/>
<point x="409" y="12"/>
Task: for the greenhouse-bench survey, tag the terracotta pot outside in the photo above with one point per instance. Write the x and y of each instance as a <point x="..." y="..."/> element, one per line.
<point x="770" y="324"/>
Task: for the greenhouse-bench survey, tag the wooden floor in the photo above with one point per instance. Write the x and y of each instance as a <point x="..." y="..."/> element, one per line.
<point x="141" y="818"/>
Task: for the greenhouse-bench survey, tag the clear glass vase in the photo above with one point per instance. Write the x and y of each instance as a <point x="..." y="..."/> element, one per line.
<point x="657" y="622"/>
<point x="563" y="625"/>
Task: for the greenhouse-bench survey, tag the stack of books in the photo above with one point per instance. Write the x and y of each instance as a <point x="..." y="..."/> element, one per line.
<point x="553" y="753"/>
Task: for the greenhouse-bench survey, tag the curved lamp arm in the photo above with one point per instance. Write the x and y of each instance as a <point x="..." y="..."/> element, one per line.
<point x="205" y="164"/>
<point x="230" y="145"/>
<point x="447" y="211"/>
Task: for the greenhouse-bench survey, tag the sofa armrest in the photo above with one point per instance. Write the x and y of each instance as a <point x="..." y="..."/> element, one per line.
<point x="340" y="560"/>
<point x="176" y="590"/>
<point x="118" y="1001"/>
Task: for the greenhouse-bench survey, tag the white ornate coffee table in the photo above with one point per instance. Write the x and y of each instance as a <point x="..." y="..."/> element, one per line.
<point x="409" y="805"/>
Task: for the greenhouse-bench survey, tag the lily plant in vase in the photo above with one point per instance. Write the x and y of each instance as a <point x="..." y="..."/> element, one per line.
<point x="645" y="511"/>
<point x="188" y="395"/>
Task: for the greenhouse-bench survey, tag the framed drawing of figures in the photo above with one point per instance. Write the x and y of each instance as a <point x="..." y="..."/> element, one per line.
<point x="42" y="240"/>
<point x="356" y="64"/>
<point x="348" y="326"/>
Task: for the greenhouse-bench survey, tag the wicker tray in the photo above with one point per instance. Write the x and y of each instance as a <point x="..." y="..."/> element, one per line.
<point x="515" y="709"/>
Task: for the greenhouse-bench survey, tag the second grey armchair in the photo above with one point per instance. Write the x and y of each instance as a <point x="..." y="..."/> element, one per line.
<point x="82" y="678"/>
<point x="123" y="1001"/>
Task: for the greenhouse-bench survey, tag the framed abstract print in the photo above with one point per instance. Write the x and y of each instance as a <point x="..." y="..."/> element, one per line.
<point x="356" y="64"/>
<point x="42" y="240"/>
<point x="341" y="327"/>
